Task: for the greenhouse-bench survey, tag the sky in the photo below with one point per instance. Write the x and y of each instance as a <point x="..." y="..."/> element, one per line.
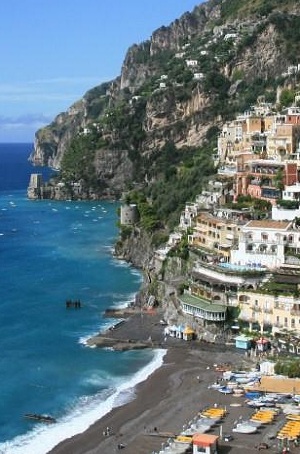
<point x="53" y="51"/>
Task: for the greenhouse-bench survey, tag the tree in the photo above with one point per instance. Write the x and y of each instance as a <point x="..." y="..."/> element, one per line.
<point x="278" y="180"/>
<point x="287" y="97"/>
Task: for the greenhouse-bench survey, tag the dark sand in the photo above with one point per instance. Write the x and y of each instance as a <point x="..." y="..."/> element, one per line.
<point x="168" y="399"/>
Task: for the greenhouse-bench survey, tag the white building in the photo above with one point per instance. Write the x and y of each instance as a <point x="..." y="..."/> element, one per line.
<point x="191" y="63"/>
<point x="186" y="218"/>
<point x="262" y="243"/>
<point x="198" y="76"/>
<point x="230" y="36"/>
<point x="284" y="214"/>
<point x="213" y="196"/>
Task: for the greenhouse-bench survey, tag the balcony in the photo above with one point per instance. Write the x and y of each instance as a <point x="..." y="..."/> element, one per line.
<point x="267" y="310"/>
<point x="248" y="319"/>
<point x="295" y="312"/>
<point x="256" y="308"/>
<point x="262" y="241"/>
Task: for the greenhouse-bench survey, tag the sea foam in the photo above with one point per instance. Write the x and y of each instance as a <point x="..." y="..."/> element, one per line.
<point x="88" y="410"/>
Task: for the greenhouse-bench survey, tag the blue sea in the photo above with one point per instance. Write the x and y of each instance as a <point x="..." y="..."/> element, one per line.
<point x="53" y="251"/>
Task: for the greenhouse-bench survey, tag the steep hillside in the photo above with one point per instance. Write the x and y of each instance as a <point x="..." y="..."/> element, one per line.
<point x="158" y="120"/>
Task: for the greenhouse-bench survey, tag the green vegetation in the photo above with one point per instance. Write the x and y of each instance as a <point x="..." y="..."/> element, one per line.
<point x="259" y="206"/>
<point x="288" y="204"/>
<point x="181" y="250"/>
<point x="142" y="53"/>
<point x="77" y="163"/>
<point x="242" y="8"/>
<point x="289" y="367"/>
<point x="166" y="175"/>
<point x="288" y="28"/>
<point x="287" y="97"/>
<point x="182" y="176"/>
<point x="278" y="288"/>
<point x="125" y="231"/>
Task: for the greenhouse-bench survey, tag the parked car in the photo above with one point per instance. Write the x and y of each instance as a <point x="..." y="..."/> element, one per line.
<point x="228" y="437"/>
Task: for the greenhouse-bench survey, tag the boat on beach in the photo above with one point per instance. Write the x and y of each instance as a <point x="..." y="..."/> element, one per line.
<point x="245" y="428"/>
<point x="40" y="418"/>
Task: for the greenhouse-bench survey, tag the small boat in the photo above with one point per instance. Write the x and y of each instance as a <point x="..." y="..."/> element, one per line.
<point x="40" y="418"/>
<point x="245" y="429"/>
<point x="225" y="390"/>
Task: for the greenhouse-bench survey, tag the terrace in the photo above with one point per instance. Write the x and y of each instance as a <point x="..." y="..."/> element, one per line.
<point x="203" y="309"/>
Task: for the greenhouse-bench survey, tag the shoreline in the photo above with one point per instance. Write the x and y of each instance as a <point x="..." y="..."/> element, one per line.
<point x="169" y="398"/>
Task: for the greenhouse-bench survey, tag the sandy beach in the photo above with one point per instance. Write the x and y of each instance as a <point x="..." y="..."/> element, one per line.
<point x="170" y="398"/>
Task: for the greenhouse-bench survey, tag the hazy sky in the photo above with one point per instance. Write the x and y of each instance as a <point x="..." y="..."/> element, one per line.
<point x="53" y="51"/>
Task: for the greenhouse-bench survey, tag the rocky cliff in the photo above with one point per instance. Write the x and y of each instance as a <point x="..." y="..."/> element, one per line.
<point x="189" y="76"/>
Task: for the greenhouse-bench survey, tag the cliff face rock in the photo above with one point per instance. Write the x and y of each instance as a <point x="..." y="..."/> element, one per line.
<point x="179" y="122"/>
<point x="136" y="249"/>
<point x="135" y="69"/>
<point x="52" y="141"/>
<point x="188" y="26"/>
<point x="265" y="58"/>
<point x="171" y="88"/>
<point x="113" y="167"/>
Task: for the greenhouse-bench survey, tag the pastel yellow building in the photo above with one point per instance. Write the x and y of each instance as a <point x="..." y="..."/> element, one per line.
<point x="214" y="234"/>
<point x="269" y="311"/>
<point x="254" y="124"/>
<point x="283" y="141"/>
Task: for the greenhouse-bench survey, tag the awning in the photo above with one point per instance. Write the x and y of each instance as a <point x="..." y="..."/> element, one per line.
<point x="188" y="330"/>
<point x="262" y="340"/>
<point x="224" y="245"/>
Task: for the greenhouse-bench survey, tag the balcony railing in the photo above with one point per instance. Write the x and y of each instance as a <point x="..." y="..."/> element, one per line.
<point x="256" y="251"/>
<point x="264" y="241"/>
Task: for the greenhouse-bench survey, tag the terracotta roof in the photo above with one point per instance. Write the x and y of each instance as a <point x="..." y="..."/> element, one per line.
<point x="204" y="440"/>
<point x="268" y="224"/>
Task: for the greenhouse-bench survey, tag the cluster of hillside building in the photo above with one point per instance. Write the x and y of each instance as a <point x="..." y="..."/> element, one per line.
<point x="246" y="260"/>
<point x="194" y="56"/>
